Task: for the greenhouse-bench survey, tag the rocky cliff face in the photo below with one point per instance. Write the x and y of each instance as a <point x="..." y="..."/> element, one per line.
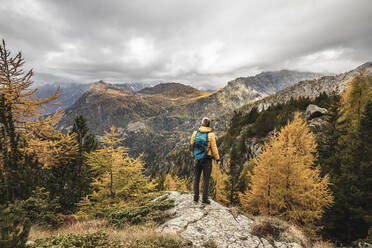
<point x="216" y="224"/>
<point x="247" y="89"/>
<point x="312" y="88"/>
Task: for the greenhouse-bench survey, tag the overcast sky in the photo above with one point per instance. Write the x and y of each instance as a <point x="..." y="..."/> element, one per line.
<point x="197" y="42"/>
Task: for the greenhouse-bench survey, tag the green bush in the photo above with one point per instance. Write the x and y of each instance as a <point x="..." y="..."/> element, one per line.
<point x="14" y="227"/>
<point x="149" y="213"/>
<point x="41" y="209"/>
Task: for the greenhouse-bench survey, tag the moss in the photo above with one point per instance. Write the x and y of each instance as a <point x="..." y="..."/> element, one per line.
<point x="150" y="213"/>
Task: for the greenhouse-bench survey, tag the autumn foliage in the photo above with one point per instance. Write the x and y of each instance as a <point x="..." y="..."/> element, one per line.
<point x="119" y="180"/>
<point x="285" y="182"/>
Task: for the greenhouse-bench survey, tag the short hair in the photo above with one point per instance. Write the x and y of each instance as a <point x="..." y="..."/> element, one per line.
<point x="206" y="122"/>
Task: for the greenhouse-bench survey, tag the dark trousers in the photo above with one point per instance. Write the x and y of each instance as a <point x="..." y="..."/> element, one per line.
<point x="205" y="166"/>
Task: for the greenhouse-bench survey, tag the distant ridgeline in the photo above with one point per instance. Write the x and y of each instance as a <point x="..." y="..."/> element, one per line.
<point x="157" y="121"/>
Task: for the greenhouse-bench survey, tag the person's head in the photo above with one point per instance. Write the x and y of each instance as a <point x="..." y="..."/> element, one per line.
<point x="206" y="122"/>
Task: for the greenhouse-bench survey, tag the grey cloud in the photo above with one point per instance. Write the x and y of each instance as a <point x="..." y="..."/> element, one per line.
<point x="196" y="42"/>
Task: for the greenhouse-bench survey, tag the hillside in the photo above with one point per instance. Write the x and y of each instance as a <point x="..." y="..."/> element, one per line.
<point x="71" y="92"/>
<point x="167" y="113"/>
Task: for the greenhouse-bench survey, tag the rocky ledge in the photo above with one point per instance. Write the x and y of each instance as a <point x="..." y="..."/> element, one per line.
<point x="204" y="225"/>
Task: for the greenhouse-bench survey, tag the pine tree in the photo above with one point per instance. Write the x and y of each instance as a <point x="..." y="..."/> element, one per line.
<point x="233" y="172"/>
<point x="14" y="228"/>
<point x="85" y="140"/>
<point x="245" y="176"/>
<point x="352" y="166"/>
<point x="18" y="171"/>
<point x="285" y="182"/>
<point x="78" y="174"/>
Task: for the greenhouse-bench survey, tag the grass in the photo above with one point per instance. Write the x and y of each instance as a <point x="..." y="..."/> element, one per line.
<point x="131" y="235"/>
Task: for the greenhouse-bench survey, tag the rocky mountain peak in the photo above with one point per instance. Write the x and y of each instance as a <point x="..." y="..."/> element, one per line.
<point x="215" y="223"/>
<point x="100" y="87"/>
<point x="366" y="67"/>
<point x="172" y="90"/>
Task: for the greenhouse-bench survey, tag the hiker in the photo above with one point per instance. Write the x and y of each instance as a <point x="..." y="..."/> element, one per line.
<point x="203" y="148"/>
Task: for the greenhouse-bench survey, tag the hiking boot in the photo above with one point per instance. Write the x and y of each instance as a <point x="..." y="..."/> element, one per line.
<point x="206" y="201"/>
<point x="196" y="199"/>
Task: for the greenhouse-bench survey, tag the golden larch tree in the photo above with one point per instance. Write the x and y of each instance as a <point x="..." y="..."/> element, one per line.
<point x="42" y="137"/>
<point x="120" y="178"/>
<point x="220" y="194"/>
<point x="15" y="85"/>
<point x="174" y="183"/>
<point x="285" y="182"/>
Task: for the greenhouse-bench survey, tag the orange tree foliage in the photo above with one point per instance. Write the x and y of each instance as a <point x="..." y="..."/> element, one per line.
<point x="355" y="99"/>
<point x="285" y="182"/>
<point x="120" y="179"/>
<point x="219" y="179"/>
<point x="174" y="183"/>
<point x="40" y="133"/>
<point x="15" y="85"/>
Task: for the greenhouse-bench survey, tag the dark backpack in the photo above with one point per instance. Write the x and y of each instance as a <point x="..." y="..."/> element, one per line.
<point x="200" y="147"/>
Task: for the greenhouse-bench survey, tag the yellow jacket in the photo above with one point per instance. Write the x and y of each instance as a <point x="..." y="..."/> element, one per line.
<point x="212" y="146"/>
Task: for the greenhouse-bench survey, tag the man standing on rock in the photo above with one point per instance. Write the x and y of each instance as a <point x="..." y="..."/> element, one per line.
<point x="203" y="148"/>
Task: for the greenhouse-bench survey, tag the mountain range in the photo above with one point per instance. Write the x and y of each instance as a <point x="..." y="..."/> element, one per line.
<point x="157" y="120"/>
<point x="71" y="92"/>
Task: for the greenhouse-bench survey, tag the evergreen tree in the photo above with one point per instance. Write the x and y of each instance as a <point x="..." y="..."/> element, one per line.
<point x="85" y="140"/>
<point x="285" y="182"/>
<point x="245" y="176"/>
<point x="14" y="228"/>
<point x="77" y="174"/>
<point x="233" y="172"/>
<point x="18" y="171"/>
<point x="352" y="168"/>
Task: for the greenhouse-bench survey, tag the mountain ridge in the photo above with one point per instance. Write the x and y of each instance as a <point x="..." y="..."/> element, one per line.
<point x="157" y="120"/>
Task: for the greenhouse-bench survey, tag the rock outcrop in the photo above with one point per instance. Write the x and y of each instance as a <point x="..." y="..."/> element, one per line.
<point x="214" y="223"/>
<point x="313" y="111"/>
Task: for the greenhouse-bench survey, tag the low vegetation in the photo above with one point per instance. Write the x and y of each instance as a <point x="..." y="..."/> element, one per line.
<point x="96" y="233"/>
<point x="149" y="214"/>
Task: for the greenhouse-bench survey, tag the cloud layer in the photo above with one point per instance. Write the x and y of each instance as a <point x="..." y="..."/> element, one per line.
<point x="196" y="42"/>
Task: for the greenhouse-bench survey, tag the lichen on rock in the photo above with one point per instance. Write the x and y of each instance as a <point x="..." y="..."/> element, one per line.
<point x="215" y="223"/>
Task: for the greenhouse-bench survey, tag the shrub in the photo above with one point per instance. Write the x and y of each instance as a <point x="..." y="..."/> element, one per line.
<point x="14" y="228"/>
<point x="149" y="213"/>
<point x="102" y="240"/>
<point x="41" y="209"/>
<point x="98" y="239"/>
